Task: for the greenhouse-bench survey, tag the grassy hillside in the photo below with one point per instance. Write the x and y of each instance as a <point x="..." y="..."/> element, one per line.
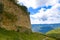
<point x="54" y="33"/>
<point x="12" y="35"/>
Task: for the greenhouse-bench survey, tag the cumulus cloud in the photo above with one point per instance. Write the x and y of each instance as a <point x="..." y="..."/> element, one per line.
<point x="47" y="2"/>
<point x="37" y="3"/>
<point x="28" y="3"/>
<point x="47" y="17"/>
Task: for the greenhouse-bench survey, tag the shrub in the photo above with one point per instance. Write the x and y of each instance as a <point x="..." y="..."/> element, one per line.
<point x="1" y="8"/>
<point x="24" y="8"/>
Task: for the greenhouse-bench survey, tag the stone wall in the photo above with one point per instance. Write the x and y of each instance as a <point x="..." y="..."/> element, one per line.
<point x="13" y="16"/>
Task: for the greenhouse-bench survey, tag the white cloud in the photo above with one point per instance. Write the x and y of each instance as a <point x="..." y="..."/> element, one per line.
<point x="46" y="2"/>
<point x="28" y="3"/>
<point x="50" y="16"/>
<point x="37" y="3"/>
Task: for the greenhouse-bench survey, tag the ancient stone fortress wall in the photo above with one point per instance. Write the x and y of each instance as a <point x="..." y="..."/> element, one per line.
<point x="13" y="16"/>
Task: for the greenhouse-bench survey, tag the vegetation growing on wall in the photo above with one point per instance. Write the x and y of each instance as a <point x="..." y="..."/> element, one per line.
<point x="1" y="8"/>
<point x="10" y="16"/>
<point x="24" y="8"/>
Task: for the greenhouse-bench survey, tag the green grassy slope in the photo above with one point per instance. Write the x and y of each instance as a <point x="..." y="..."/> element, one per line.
<point x="12" y="35"/>
<point x="54" y="33"/>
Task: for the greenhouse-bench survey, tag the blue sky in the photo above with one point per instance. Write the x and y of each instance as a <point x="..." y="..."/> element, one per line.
<point x="43" y="11"/>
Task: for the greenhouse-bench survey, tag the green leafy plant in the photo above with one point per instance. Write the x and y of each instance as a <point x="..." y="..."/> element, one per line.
<point x="12" y="0"/>
<point x="24" y="8"/>
<point x="1" y="8"/>
<point x="10" y="16"/>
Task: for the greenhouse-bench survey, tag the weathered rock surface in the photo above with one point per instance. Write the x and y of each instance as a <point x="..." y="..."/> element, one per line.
<point x="13" y="16"/>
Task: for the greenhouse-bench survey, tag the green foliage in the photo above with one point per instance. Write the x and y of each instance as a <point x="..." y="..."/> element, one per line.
<point x="24" y="8"/>
<point x="1" y="8"/>
<point x="10" y="16"/>
<point x="54" y="35"/>
<point x="8" y="35"/>
<point x="12" y="35"/>
<point x="12" y="1"/>
<point x="1" y="19"/>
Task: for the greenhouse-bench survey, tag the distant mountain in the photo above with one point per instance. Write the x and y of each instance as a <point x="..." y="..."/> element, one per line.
<point x="44" y="27"/>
